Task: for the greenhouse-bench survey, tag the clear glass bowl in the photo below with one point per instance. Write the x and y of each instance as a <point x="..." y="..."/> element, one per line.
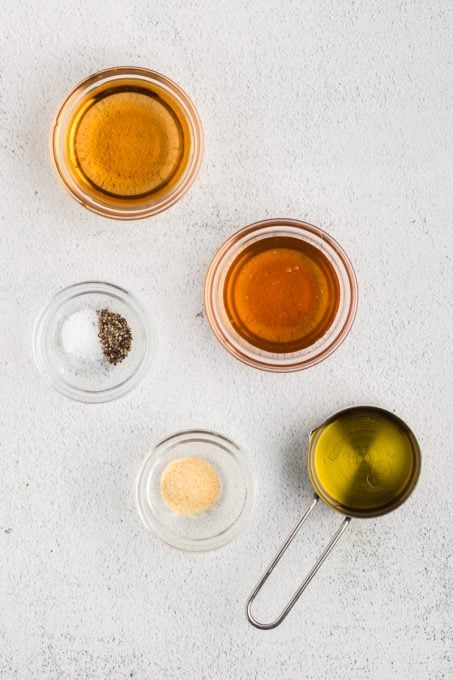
<point x="225" y="520"/>
<point x="83" y="93"/>
<point x="91" y="382"/>
<point x="218" y="317"/>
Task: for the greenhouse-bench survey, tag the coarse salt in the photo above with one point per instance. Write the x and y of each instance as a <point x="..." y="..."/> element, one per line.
<point x="79" y="336"/>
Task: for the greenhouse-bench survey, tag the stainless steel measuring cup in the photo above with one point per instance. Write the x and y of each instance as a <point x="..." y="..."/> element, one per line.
<point x="363" y="462"/>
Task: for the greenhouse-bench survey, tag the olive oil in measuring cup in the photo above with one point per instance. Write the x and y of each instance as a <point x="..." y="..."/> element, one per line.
<point x="363" y="462"/>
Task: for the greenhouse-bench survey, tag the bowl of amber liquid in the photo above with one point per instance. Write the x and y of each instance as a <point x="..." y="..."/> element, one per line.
<point x="127" y="142"/>
<point x="280" y="295"/>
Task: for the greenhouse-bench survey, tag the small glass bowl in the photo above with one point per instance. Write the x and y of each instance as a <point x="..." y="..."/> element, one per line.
<point x="228" y="336"/>
<point x="91" y="382"/>
<point x="220" y="524"/>
<point x="123" y="210"/>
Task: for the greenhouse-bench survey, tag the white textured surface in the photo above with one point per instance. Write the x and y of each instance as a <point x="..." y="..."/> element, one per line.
<point x="334" y="112"/>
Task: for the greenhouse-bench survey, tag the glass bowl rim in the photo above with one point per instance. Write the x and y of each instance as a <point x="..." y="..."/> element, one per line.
<point x="193" y="165"/>
<point x="239" y="238"/>
<point x="233" y="530"/>
<point x="46" y="314"/>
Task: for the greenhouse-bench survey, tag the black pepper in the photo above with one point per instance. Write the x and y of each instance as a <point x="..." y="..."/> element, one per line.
<point x="115" y="336"/>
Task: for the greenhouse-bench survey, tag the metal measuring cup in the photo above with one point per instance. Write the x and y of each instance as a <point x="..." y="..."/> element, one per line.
<point x="363" y="475"/>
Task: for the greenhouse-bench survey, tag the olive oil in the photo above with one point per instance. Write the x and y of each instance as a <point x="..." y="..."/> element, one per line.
<point x="127" y="141"/>
<point x="281" y="294"/>
<point x="364" y="461"/>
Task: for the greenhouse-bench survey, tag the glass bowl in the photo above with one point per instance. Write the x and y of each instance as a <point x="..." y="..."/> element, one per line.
<point x="221" y="325"/>
<point x="220" y="524"/>
<point x="91" y="381"/>
<point x="89" y="92"/>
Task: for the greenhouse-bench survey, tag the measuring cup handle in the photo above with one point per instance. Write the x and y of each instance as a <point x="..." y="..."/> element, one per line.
<point x="336" y="537"/>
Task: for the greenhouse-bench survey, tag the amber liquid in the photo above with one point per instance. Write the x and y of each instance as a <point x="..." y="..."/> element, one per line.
<point x="127" y="143"/>
<point x="281" y="294"/>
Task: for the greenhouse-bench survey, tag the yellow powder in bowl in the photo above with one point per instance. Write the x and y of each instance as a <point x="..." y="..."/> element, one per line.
<point x="190" y="486"/>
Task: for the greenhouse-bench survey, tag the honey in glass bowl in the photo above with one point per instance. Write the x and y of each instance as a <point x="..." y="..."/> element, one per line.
<point x="280" y="295"/>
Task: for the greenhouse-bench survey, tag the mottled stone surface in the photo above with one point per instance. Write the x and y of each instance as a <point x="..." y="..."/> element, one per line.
<point x="339" y="113"/>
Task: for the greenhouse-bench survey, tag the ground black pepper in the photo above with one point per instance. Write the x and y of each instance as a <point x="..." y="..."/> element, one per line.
<point x="115" y="336"/>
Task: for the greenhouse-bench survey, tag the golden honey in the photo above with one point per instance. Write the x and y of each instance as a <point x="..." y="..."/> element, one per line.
<point x="127" y="142"/>
<point x="281" y="294"/>
<point x="364" y="461"/>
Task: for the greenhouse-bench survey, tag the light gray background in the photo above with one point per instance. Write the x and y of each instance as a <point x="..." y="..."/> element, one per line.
<point x="335" y="112"/>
